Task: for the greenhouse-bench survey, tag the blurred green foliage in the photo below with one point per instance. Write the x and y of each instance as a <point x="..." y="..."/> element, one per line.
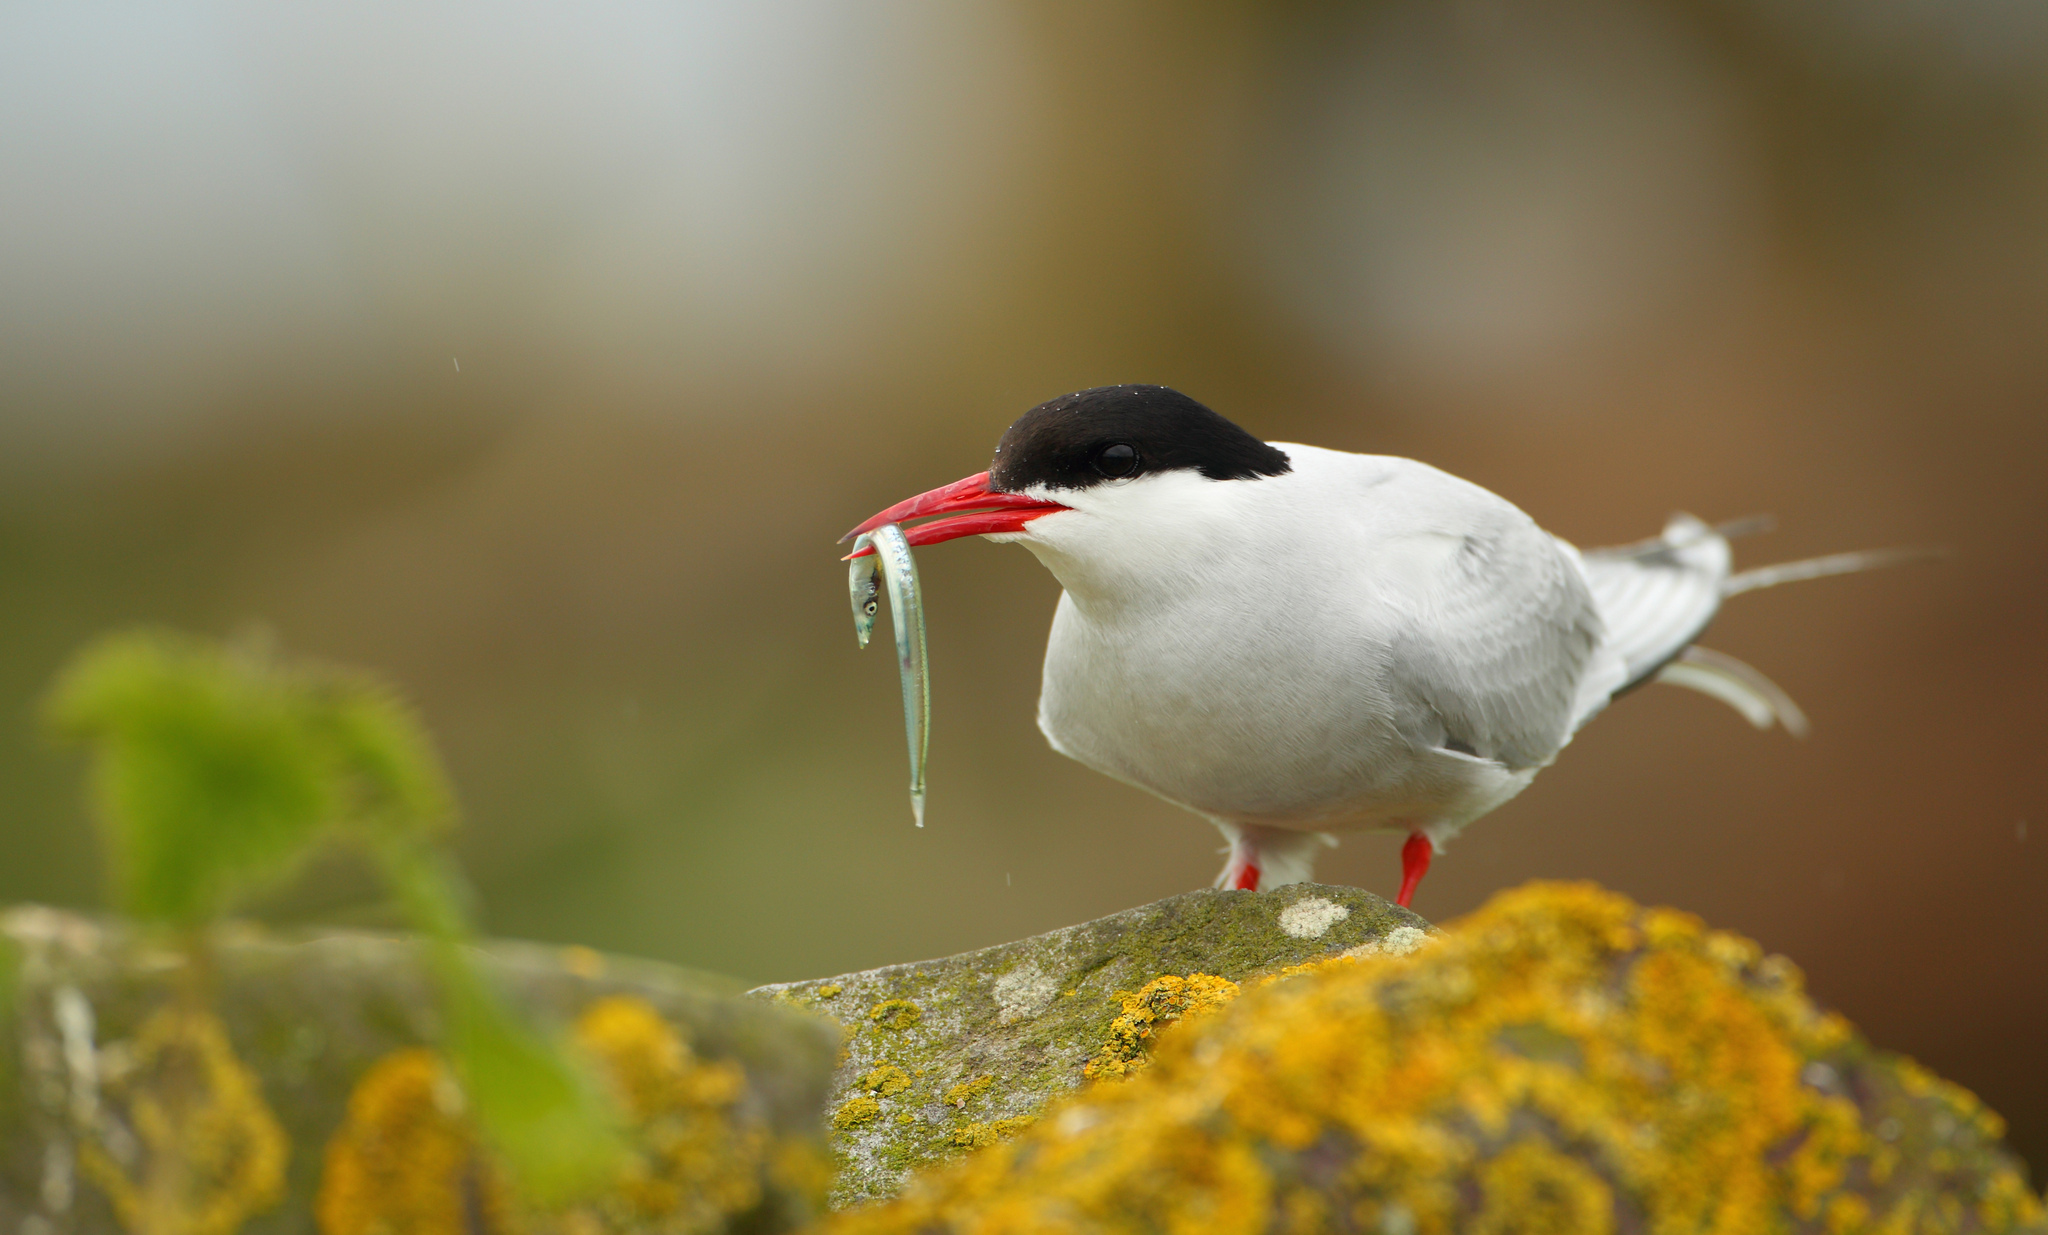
<point x="537" y="1104"/>
<point x="217" y="769"/>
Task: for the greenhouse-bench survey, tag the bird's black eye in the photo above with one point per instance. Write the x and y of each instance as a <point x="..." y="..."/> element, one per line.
<point x="1117" y="460"/>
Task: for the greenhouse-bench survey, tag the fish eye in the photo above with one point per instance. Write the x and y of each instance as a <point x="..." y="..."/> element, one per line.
<point x="1117" y="460"/>
<point x="870" y="607"/>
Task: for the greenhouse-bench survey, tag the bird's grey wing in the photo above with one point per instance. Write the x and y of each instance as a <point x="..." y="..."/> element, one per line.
<point x="1496" y="640"/>
<point x="1655" y="597"/>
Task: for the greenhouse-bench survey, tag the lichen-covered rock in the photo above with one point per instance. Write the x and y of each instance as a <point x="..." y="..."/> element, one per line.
<point x="405" y="1159"/>
<point x="303" y="1095"/>
<point x="950" y="1055"/>
<point x="1561" y="1061"/>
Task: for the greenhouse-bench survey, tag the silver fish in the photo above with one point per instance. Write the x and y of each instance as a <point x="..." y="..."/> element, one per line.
<point x="864" y="585"/>
<point x="897" y="569"/>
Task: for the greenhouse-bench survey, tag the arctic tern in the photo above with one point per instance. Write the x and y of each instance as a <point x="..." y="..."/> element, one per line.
<point x="1292" y="641"/>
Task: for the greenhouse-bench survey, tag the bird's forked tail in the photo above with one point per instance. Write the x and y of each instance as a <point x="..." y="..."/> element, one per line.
<point x="1657" y="596"/>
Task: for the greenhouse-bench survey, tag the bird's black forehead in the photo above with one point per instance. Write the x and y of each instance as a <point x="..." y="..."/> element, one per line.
<point x="1055" y="444"/>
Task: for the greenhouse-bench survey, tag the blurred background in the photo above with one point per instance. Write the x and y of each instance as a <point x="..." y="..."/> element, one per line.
<point x="536" y="356"/>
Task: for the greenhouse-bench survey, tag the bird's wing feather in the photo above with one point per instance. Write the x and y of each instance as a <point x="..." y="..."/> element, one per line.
<point x="1495" y="646"/>
<point x="1656" y="597"/>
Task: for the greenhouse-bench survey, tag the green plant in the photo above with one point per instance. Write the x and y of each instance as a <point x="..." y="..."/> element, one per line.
<point x="218" y="768"/>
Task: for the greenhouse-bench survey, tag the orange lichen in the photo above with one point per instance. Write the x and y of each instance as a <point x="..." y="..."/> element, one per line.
<point x="1158" y="1003"/>
<point x="405" y="1161"/>
<point x="204" y="1152"/>
<point x="1562" y="1061"/>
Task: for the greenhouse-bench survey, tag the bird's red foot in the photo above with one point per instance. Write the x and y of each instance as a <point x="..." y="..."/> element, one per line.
<point x="1415" y="856"/>
<point x="1247" y="878"/>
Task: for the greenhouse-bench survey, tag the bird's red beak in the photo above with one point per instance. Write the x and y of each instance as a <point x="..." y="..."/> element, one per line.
<point x="966" y="508"/>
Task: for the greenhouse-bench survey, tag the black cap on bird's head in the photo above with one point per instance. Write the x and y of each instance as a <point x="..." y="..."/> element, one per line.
<point x="1117" y="432"/>
<point x="1086" y="438"/>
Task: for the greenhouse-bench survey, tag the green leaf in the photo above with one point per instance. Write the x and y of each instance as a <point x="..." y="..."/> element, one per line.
<point x="541" y="1111"/>
<point x="389" y="777"/>
<point x="202" y="779"/>
<point x="546" y="1117"/>
<point x="216" y="768"/>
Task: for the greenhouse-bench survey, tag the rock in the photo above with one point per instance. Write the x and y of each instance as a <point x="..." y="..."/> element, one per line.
<point x="1563" y="1060"/>
<point x="944" y="1056"/>
<point x="301" y="1086"/>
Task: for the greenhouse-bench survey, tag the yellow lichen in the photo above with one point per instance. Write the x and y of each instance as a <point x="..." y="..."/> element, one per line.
<point x="1306" y="967"/>
<point x="693" y="1163"/>
<point x="885" y="1081"/>
<point x="1558" y="1061"/>
<point x="1158" y="1003"/>
<point x="1530" y="1188"/>
<point x="405" y="1161"/>
<point x="979" y="1135"/>
<point x="959" y="1094"/>
<point x="650" y="1065"/>
<point x="204" y="1151"/>
<point x="895" y="1014"/>
<point x="829" y="990"/>
<point x="800" y="1167"/>
<point x="854" y="1112"/>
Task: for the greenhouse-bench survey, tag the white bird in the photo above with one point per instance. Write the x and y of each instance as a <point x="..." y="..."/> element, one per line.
<point x="1292" y="641"/>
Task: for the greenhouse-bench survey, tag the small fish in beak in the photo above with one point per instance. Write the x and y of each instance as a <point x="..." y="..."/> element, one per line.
<point x="864" y="586"/>
<point x="884" y="552"/>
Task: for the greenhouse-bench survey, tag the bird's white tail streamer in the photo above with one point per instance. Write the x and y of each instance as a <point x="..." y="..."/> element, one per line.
<point x="1821" y="567"/>
<point x="1740" y="686"/>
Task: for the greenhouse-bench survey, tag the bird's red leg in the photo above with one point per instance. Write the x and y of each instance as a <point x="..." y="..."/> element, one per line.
<point x="1241" y="871"/>
<point x="1415" y="856"/>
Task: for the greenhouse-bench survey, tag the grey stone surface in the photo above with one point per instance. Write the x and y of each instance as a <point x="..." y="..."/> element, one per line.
<point x="1028" y="1016"/>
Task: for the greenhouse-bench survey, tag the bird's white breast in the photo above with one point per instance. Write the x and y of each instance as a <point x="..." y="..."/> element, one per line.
<point x="1237" y="646"/>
